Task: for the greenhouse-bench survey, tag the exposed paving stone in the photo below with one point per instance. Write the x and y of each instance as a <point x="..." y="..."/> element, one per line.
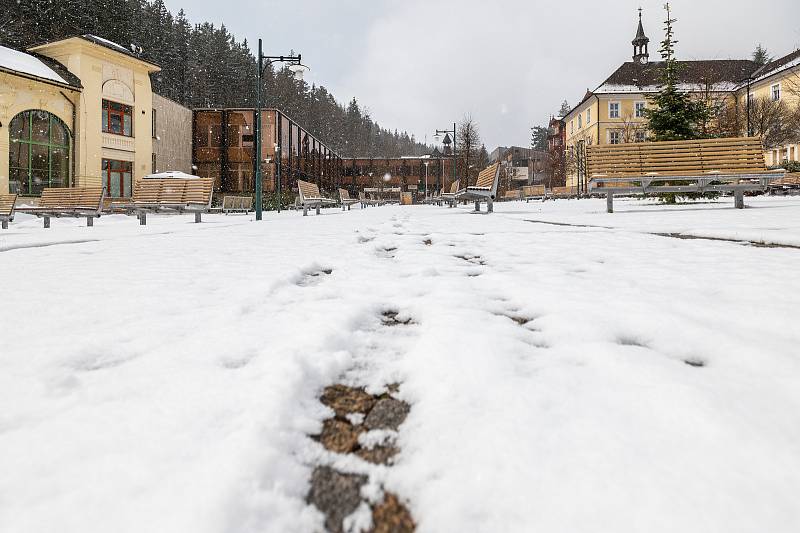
<point x="340" y="437"/>
<point x="388" y="413"/>
<point x="379" y="455"/>
<point x="389" y="318"/>
<point x="335" y="495"/>
<point x="347" y="400"/>
<point x="391" y="516"/>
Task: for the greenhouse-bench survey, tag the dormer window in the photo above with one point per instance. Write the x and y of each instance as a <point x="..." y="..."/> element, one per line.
<point x="117" y="118"/>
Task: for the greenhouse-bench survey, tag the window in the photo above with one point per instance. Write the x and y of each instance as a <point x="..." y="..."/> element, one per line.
<point x="640" y="107"/>
<point x="117" y="178"/>
<point x="39" y="153"/>
<point x="776" y="92"/>
<point x="580" y="121"/>
<point x="588" y="116"/>
<point x="641" y="136"/>
<point x="155" y="130"/>
<point x="117" y="118"/>
<point x="572" y="126"/>
<point x="155" y="165"/>
<point x="613" y="110"/>
<point x="614" y="137"/>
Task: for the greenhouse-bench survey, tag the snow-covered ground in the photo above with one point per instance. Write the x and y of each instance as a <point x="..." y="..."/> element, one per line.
<point x="165" y="378"/>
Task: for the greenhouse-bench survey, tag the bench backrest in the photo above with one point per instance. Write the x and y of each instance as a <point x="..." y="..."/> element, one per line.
<point x="533" y="190"/>
<point x="739" y="155"/>
<point x="237" y="202"/>
<point x="66" y="198"/>
<point x="563" y="190"/>
<point x="512" y="194"/>
<point x="308" y="190"/>
<point x="174" y="191"/>
<point x="7" y="202"/>
<point x="487" y="179"/>
<point x="344" y="195"/>
<point x="455" y="186"/>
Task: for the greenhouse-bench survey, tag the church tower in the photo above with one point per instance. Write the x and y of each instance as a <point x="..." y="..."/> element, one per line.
<point x="640" y="54"/>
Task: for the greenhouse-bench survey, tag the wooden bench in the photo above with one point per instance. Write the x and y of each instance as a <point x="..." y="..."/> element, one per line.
<point x="484" y="190"/>
<point x="534" y="192"/>
<point x="786" y="184"/>
<point x="557" y="193"/>
<point x="698" y="166"/>
<point x="311" y="197"/>
<point x="450" y="197"/>
<point x="171" y="196"/>
<point x="345" y="200"/>
<point x="237" y="204"/>
<point x="7" y="204"/>
<point x="76" y="202"/>
<point x="511" y="196"/>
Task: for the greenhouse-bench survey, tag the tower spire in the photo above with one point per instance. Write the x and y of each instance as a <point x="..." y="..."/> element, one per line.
<point x="640" y="42"/>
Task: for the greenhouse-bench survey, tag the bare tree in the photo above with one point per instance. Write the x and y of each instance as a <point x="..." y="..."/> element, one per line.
<point x="469" y="143"/>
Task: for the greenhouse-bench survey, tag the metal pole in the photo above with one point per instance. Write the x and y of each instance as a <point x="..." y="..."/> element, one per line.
<point x="258" y="135"/>
<point x="455" y="162"/>
<point x="749" y="127"/>
<point x="279" y="154"/>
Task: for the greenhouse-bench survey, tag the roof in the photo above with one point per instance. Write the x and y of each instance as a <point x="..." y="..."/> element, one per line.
<point x="718" y="74"/>
<point x="785" y="62"/>
<point x="99" y="41"/>
<point x="36" y="66"/>
<point x="640" y="36"/>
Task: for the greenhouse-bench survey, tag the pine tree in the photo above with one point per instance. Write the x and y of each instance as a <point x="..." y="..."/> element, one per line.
<point x="761" y="56"/>
<point x="565" y="109"/>
<point x="673" y="115"/>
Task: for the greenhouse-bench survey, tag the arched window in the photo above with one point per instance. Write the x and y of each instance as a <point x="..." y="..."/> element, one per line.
<point x="39" y="154"/>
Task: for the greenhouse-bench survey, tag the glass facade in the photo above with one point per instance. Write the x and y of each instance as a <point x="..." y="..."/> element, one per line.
<point x="224" y="149"/>
<point x="39" y="154"/>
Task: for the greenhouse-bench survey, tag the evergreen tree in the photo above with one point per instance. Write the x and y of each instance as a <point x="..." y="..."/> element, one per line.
<point x="673" y="115"/>
<point x="565" y="109"/>
<point x="761" y="56"/>
<point x="539" y="138"/>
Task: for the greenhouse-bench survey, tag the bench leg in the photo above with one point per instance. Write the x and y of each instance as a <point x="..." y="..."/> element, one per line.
<point x="490" y="206"/>
<point x="5" y="224"/>
<point x="198" y="217"/>
<point x="142" y="219"/>
<point x="46" y="222"/>
<point x="318" y="209"/>
<point x="477" y="206"/>
<point x="738" y="199"/>
<point x="610" y="202"/>
<point x="89" y="222"/>
<point x="305" y="210"/>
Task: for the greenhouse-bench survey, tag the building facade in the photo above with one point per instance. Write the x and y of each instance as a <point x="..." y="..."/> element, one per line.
<point x="77" y="112"/>
<point x="410" y="173"/>
<point x="172" y="136"/>
<point x="614" y="112"/>
<point x="224" y="149"/>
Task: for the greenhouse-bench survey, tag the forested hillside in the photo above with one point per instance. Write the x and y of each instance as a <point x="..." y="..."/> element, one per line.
<point x="203" y="66"/>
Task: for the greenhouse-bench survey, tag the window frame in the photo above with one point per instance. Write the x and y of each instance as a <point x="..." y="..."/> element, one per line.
<point x="618" y="109"/>
<point x="108" y="112"/>
<point x="155" y="123"/>
<point x="588" y="116"/>
<point x="773" y="92"/>
<point x="50" y="145"/>
<point x="637" y="108"/>
<point x="612" y="134"/>
<point x="106" y="170"/>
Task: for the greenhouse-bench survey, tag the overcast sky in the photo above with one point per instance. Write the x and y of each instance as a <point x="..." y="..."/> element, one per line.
<point x="418" y="65"/>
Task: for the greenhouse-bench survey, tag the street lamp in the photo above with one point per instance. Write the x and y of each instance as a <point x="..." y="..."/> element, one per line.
<point x="447" y="133"/>
<point x="297" y="68"/>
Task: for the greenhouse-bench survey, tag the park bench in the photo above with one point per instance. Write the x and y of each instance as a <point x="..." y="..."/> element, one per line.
<point x="484" y="190"/>
<point x="534" y="192"/>
<point x="76" y="202"/>
<point x="7" y="204"/>
<point x="345" y="200"/>
<point x="511" y="196"/>
<point x="237" y="204"/>
<point x="171" y="196"/>
<point x="785" y="185"/>
<point x="311" y="197"/>
<point x="450" y="197"/>
<point x="698" y="166"/>
<point x="560" y="193"/>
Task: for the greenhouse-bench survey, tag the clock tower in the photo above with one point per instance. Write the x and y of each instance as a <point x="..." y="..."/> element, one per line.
<point x="640" y="54"/>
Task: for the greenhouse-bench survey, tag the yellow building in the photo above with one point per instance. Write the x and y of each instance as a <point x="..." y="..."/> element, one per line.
<point x="74" y="112"/>
<point x="613" y="113"/>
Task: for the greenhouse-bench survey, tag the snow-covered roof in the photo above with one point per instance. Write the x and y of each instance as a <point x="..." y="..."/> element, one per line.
<point x="786" y="62"/>
<point x="25" y="63"/>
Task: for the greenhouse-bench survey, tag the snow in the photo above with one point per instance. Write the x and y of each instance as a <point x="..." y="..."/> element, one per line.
<point x="164" y="378"/>
<point x="17" y="61"/>
<point x="614" y="88"/>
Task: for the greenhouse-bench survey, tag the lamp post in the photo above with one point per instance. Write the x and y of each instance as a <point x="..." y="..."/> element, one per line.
<point x="295" y="65"/>
<point x="438" y="136"/>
